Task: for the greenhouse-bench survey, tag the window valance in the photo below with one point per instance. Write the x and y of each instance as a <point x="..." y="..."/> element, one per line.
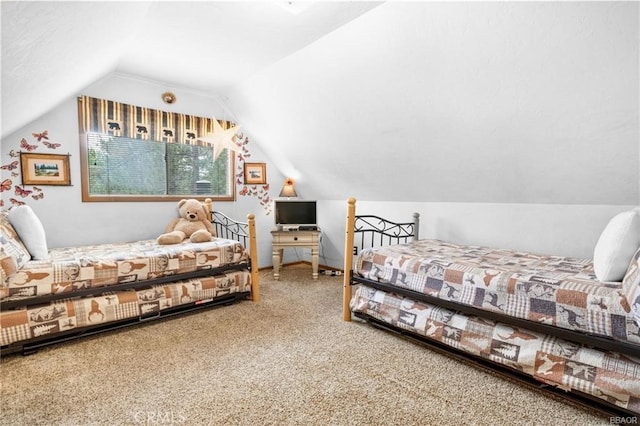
<point x="118" y="119"/>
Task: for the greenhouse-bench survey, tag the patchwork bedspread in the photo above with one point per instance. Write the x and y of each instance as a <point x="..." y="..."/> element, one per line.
<point x="69" y="314"/>
<point x="68" y="269"/>
<point x="612" y="377"/>
<point x="560" y="291"/>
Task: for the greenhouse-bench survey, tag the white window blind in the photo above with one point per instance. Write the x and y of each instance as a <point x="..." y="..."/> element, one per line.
<point x="121" y="166"/>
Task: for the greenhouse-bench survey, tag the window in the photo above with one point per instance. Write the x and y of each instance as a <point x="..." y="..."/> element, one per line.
<point x="121" y="166"/>
<point x="121" y="163"/>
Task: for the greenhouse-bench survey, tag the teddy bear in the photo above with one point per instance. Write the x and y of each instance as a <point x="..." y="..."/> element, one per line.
<point x="192" y="224"/>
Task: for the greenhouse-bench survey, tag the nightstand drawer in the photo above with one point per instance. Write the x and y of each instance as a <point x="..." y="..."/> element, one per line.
<point x="282" y="240"/>
<point x="295" y="237"/>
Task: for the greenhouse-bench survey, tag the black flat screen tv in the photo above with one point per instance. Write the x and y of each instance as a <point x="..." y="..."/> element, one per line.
<point x="289" y="212"/>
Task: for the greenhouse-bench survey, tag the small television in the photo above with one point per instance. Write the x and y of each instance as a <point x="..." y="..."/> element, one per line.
<point x="293" y="213"/>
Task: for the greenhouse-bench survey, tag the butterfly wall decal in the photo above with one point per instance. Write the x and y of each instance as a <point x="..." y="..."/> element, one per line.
<point x="40" y="136"/>
<point x="16" y="202"/>
<point x="39" y="195"/>
<point x="11" y="166"/>
<point x="22" y="192"/>
<point x="25" y="145"/>
<point x="51" y="145"/>
<point x="6" y="185"/>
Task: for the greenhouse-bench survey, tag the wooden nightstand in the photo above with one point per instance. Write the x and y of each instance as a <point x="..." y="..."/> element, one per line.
<point x="303" y="239"/>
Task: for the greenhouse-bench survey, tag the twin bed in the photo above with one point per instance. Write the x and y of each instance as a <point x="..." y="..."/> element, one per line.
<point x="79" y="291"/>
<point x="546" y="320"/>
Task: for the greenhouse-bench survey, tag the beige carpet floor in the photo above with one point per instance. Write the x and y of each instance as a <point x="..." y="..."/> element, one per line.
<point x="287" y="360"/>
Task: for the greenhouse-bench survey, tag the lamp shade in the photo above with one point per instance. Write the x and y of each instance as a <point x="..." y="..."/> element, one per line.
<point x="287" y="189"/>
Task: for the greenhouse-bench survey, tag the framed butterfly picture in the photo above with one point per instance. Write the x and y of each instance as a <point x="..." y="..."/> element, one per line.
<point x="45" y="169"/>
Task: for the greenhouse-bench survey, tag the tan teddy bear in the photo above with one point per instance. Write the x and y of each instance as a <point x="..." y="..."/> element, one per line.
<point x="192" y="224"/>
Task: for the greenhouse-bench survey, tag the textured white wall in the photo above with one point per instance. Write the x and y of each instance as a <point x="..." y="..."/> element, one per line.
<point x="482" y="102"/>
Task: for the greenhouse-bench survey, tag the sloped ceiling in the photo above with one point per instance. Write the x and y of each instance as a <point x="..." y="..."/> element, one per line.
<point x="51" y="50"/>
<point x="499" y="102"/>
<point x="475" y="102"/>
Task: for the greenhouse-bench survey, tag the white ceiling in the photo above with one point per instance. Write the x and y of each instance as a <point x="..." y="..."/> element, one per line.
<point x="52" y="50"/>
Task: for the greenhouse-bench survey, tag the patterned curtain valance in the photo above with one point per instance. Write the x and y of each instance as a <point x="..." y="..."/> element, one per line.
<point x="118" y="119"/>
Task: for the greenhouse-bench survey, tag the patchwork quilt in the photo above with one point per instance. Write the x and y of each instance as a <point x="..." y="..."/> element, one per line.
<point x="612" y="377"/>
<point x="559" y="291"/>
<point x="72" y="268"/>
<point x="69" y="314"/>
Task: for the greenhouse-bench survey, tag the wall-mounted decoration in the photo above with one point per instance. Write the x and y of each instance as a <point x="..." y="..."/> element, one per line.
<point x="221" y="138"/>
<point x="11" y="171"/>
<point x="255" y="173"/>
<point x="45" y="169"/>
<point x="168" y="97"/>
<point x="261" y="192"/>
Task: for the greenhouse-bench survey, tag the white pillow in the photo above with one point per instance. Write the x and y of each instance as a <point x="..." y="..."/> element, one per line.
<point x="30" y="231"/>
<point x="616" y="246"/>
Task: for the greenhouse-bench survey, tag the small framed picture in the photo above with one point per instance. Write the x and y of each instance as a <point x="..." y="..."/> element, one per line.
<point x="45" y="169"/>
<point x="255" y="173"/>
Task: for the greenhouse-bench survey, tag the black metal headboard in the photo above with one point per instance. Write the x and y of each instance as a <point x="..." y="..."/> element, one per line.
<point x="364" y="231"/>
<point x="374" y="231"/>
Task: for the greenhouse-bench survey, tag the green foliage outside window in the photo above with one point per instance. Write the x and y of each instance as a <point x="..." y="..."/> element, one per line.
<point x="119" y="166"/>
